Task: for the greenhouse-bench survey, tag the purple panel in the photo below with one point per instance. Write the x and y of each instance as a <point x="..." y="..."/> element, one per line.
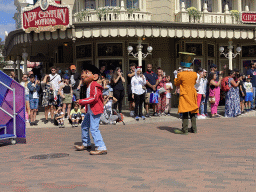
<point x="3" y="91"/>
<point x="9" y="126"/>
<point x="5" y="79"/>
<point x="21" y="114"/>
<point x="19" y="95"/>
<point x="6" y="102"/>
<point x="4" y="118"/>
<point x="20" y="127"/>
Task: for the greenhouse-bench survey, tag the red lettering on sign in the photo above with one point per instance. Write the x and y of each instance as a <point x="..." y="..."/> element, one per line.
<point x="248" y="17"/>
<point x="52" y="18"/>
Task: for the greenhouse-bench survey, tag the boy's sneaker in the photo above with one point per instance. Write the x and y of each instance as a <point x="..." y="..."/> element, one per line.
<point x="73" y="125"/>
<point x="137" y="118"/>
<point x="76" y="125"/>
<point x="143" y="117"/>
<point x="147" y="115"/>
<point x="113" y="123"/>
<point x="63" y="126"/>
<point x="163" y="114"/>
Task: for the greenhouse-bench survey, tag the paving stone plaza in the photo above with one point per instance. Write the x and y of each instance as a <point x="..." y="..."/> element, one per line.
<point x="141" y="157"/>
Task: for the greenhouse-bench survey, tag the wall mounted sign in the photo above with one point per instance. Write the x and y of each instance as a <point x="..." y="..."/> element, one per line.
<point x="46" y="15"/>
<point x="248" y="17"/>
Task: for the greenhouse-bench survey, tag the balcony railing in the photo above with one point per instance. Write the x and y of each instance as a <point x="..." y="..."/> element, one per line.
<point x="111" y="14"/>
<point x="207" y="17"/>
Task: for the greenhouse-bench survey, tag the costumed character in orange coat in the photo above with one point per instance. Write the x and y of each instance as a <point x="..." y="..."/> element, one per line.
<point x="186" y="80"/>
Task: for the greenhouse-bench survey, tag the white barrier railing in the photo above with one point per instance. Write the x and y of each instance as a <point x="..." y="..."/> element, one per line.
<point x="125" y="15"/>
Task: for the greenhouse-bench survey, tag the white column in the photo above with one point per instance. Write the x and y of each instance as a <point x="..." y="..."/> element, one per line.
<point x="18" y="63"/>
<point x="237" y="5"/>
<point x="219" y="6"/>
<point x="177" y="6"/>
<point x="230" y="58"/>
<point x="139" y="47"/>
<point x="25" y="58"/>
<point x="197" y="4"/>
<point x="140" y="5"/>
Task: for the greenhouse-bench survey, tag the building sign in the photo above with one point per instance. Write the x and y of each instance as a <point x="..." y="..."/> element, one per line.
<point x="248" y="17"/>
<point x="46" y="15"/>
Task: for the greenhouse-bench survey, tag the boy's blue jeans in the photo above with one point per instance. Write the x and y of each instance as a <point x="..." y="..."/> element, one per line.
<point x="92" y="122"/>
<point x="202" y="106"/>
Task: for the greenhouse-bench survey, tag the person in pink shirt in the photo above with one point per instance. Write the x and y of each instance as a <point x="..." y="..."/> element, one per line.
<point x="162" y="95"/>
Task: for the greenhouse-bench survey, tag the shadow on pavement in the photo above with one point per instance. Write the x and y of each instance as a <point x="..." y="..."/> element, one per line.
<point x="170" y="129"/>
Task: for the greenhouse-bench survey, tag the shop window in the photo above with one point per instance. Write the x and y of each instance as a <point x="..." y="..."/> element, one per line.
<point x="90" y="4"/>
<point x="177" y="50"/>
<point x="84" y="51"/>
<point x="194" y="48"/>
<point x="60" y="54"/>
<point x="187" y="3"/>
<point x="229" y="3"/>
<point x="110" y="2"/>
<point x="197" y="64"/>
<point x="110" y="49"/>
<point x="209" y="63"/>
<point x="249" y="51"/>
<point x="80" y="64"/>
<point x="111" y="63"/>
<point x="210" y="50"/>
<point x="133" y="4"/>
<point x="209" y="5"/>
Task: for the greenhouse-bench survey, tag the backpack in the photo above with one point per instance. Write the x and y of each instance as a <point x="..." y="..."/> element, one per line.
<point x="224" y="84"/>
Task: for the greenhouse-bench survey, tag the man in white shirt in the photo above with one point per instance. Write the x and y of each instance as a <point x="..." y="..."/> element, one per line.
<point x="55" y="80"/>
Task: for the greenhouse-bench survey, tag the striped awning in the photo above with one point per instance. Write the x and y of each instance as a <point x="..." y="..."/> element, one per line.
<point x="136" y="29"/>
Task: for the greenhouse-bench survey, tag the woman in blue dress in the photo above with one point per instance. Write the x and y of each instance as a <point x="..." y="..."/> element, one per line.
<point x="232" y="104"/>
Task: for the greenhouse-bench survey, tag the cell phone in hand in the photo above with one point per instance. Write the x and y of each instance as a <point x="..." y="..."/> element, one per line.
<point x="111" y="98"/>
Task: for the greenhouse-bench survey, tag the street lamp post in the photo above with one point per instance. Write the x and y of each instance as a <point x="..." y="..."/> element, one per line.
<point x="230" y="55"/>
<point x="139" y="55"/>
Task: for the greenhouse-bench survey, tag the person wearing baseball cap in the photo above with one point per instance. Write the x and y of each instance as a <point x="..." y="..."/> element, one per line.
<point x="75" y="79"/>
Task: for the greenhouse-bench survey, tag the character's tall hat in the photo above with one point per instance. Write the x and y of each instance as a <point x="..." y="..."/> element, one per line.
<point x="186" y="59"/>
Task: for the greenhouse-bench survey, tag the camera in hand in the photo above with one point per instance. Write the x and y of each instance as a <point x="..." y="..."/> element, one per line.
<point x="111" y="98"/>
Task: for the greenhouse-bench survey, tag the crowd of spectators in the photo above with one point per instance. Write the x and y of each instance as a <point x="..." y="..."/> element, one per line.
<point x="58" y="92"/>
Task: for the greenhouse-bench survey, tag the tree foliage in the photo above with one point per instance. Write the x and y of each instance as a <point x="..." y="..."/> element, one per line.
<point x="2" y="62"/>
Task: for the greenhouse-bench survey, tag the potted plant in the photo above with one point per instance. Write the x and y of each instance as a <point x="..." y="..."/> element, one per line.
<point x="235" y="14"/>
<point x="194" y="13"/>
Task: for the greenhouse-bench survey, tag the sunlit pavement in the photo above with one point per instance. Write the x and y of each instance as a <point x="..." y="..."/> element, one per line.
<point x="141" y="157"/>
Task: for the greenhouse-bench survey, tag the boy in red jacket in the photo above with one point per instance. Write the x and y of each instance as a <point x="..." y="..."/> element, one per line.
<point x="94" y="108"/>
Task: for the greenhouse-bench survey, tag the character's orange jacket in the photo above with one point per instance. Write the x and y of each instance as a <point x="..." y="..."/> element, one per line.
<point x="188" y="95"/>
<point x="95" y="100"/>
